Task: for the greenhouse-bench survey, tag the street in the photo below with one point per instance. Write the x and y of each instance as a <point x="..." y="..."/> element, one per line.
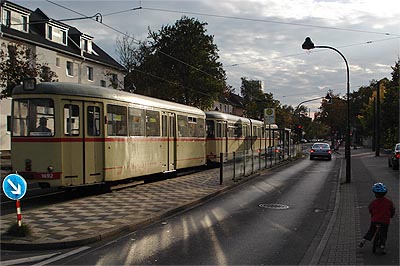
<point x="278" y="218"/>
<point x="234" y="228"/>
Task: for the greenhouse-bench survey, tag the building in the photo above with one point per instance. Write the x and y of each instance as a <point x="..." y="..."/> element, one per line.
<point x="230" y="104"/>
<point x="71" y="54"/>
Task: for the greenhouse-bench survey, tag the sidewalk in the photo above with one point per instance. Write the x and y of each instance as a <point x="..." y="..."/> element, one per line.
<point x="87" y="220"/>
<point x="339" y="245"/>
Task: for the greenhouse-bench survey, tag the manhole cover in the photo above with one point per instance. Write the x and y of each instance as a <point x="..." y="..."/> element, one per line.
<point x="274" y="206"/>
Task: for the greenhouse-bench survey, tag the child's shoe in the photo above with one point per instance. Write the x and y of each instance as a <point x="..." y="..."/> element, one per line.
<point x="362" y="242"/>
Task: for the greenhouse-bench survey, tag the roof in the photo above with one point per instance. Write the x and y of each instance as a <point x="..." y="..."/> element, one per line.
<point x="83" y="90"/>
<point x="36" y="36"/>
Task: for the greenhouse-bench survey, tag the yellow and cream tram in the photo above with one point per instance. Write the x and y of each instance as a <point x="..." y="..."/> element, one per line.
<point x="229" y="133"/>
<point x="68" y="134"/>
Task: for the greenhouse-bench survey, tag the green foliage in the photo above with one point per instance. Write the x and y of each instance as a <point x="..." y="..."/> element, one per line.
<point x="18" y="62"/>
<point x="179" y="63"/>
<point x="19" y="231"/>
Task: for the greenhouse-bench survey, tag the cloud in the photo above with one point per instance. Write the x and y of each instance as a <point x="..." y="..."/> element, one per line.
<point x="262" y="38"/>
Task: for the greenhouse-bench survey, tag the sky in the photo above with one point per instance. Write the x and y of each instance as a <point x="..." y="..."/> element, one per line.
<point x="261" y="39"/>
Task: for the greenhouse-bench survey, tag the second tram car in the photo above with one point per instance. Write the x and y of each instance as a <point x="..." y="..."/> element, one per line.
<point x="229" y="133"/>
<point x="68" y="135"/>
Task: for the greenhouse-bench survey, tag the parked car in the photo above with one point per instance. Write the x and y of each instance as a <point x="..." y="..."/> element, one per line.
<point x="393" y="160"/>
<point x="321" y="150"/>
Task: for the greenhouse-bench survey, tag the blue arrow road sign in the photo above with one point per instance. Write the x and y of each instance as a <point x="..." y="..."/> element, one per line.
<point x="14" y="186"/>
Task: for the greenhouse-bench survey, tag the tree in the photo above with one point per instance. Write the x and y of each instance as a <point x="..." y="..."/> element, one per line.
<point x="179" y="63"/>
<point x="390" y="108"/>
<point x="253" y="98"/>
<point x="18" y="62"/>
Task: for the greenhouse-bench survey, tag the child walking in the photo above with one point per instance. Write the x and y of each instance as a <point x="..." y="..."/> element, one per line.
<point x="381" y="210"/>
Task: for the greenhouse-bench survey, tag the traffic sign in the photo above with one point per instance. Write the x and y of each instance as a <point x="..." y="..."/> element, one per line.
<point x="269" y="116"/>
<point x="14" y="186"/>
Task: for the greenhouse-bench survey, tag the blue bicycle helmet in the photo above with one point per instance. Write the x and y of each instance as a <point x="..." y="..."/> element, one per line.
<point x="379" y="188"/>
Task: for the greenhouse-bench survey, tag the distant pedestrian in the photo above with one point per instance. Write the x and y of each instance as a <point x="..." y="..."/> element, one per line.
<point x="381" y="210"/>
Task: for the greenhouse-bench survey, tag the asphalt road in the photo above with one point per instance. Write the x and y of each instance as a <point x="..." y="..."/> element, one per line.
<point x="238" y="227"/>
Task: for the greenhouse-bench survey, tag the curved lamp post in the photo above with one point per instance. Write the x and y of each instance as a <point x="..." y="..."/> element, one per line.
<point x="308" y="45"/>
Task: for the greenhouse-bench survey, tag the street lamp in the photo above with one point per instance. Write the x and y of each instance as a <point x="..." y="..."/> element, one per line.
<point x="308" y="45"/>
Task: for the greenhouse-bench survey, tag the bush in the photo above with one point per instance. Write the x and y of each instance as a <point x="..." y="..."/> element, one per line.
<point x="21" y="231"/>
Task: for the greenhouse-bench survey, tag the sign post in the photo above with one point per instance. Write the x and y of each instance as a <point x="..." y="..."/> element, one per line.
<point x="14" y="187"/>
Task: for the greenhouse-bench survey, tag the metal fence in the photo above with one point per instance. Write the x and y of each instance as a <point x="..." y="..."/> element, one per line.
<point x="237" y="165"/>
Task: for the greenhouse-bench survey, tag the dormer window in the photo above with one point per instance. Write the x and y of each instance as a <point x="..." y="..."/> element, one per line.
<point x="25" y="23"/>
<point x="14" y="17"/>
<point x="49" y="32"/>
<point x="64" y="37"/>
<point x="56" y="32"/>
<point x="7" y="18"/>
<point x="86" y="44"/>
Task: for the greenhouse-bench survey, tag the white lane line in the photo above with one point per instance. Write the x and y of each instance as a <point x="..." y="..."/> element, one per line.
<point x="29" y="259"/>
<point x="61" y="256"/>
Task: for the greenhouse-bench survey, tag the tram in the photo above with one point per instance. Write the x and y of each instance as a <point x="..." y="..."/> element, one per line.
<point x="228" y="133"/>
<point x="66" y="135"/>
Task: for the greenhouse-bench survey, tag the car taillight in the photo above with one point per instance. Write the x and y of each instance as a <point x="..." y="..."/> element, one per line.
<point x="397" y="155"/>
<point x="329" y="151"/>
<point x="312" y="150"/>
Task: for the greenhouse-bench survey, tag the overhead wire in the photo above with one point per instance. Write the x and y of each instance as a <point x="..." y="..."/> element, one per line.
<point x="229" y="17"/>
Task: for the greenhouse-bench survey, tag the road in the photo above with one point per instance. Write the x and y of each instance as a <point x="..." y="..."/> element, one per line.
<point x="235" y="228"/>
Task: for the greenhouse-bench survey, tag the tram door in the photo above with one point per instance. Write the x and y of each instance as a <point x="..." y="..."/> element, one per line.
<point x="93" y="143"/>
<point x="169" y="134"/>
<point x="72" y="144"/>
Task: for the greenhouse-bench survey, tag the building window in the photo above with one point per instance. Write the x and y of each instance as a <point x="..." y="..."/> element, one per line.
<point x="64" y="37"/>
<point x="49" y="32"/>
<point x="24" y="23"/>
<point x="58" y="62"/>
<point x="7" y="18"/>
<point x="70" y="68"/>
<point x="85" y="45"/>
<point x="90" y="73"/>
<point x="114" y="79"/>
<point x="103" y="83"/>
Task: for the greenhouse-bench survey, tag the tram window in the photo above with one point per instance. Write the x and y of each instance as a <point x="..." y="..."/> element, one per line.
<point x="219" y="130"/>
<point x="152" y="123"/>
<point x="231" y="130"/>
<point x="183" y="130"/>
<point x="192" y="123"/>
<point x="71" y="120"/>
<point x="93" y="120"/>
<point x="33" y="117"/>
<point x="116" y="120"/>
<point x="210" y="127"/>
<point x="200" y="128"/>
<point x="238" y="130"/>
<point x="164" y="131"/>
<point x="136" y="122"/>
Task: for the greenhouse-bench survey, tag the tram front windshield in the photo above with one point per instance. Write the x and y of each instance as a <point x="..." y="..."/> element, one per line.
<point x="33" y="117"/>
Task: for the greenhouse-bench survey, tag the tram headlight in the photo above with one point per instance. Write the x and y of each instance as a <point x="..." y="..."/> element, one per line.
<point x="50" y="168"/>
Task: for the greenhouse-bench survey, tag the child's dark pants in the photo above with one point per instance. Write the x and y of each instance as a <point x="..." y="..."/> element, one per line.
<point x="372" y="228"/>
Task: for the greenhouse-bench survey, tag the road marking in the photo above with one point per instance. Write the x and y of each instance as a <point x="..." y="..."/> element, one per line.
<point x="29" y="259"/>
<point x="73" y="252"/>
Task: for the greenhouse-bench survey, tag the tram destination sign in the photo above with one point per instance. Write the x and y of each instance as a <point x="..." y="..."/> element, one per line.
<point x="14" y="186"/>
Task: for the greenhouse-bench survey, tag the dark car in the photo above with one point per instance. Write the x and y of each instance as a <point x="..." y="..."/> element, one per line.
<point x="393" y="160"/>
<point x="321" y="150"/>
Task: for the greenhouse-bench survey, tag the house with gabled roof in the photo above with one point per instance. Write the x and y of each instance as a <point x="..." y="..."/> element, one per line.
<point x="71" y="54"/>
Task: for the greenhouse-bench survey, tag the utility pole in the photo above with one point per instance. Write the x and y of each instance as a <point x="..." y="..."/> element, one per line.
<point x="377" y="119"/>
